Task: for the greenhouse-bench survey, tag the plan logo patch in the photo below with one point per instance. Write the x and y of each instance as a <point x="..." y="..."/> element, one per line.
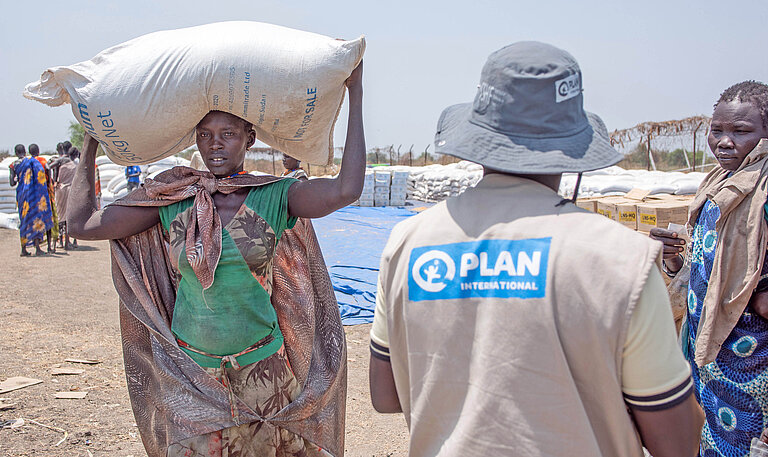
<point x="488" y="268"/>
<point x="567" y="88"/>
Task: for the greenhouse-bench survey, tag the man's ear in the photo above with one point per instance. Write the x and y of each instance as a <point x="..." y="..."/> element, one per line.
<point x="251" y="138"/>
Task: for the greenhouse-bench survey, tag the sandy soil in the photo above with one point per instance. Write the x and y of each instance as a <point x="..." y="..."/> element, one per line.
<point x="64" y="306"/>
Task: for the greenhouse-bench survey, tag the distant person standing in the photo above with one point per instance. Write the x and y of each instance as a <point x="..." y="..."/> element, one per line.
<point x="35" y="216"/>
<point x="293" y="168"/>
<point x="67" y="169"/>
<point x="53" y="233"/>
<point x="133" y="174"/>
<point x="63" y="154"/>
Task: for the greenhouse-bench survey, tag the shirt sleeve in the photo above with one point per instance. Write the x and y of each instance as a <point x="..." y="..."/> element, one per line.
<point x="271" y="202"/>
<point x="655" y="375"/>
<point x="379" y="331"/>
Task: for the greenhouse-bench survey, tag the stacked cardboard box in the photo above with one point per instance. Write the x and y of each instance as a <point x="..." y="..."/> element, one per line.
<point x="661" y="213"/>
<point x="639" y="211"/>
<point x="399" y="188"/>
<point x="381" y="187"/>
<point x="588" y="203"/>
<point x="369" y="184"/>
<point x="620" y="209"/>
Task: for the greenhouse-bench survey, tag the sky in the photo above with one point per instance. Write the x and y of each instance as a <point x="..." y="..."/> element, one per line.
<point x="641" y="61"/>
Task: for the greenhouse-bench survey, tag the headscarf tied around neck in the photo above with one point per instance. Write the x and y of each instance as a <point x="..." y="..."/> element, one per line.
<point x="740" y="251"/>
<point x="203" y="238"/>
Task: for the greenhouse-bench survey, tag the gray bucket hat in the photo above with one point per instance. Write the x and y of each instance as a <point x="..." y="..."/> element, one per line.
<point x="527" y="117"/>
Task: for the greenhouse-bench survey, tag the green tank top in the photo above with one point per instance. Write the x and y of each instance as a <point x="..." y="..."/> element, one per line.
<point x="236" y="311"/>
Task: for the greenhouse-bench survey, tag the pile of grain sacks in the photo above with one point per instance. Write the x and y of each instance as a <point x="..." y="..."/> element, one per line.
<point x="7" y="193"/>
<point x="435" y="183"/>
<point x="381" y="180"/>
<point x="9" y="215"/>
<point x="384" y="186"/>
<point x="438" y="182"/>
<point x="114" y="184"/>
<point x="398" y="189"/>
<point x="393" y="185"/>
<point x="369" y="184"/>
<point x="613" y="181"/>
<point x="111" y="177"/>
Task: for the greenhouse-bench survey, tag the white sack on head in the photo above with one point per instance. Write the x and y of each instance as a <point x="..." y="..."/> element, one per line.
<point x="142" y="99"/>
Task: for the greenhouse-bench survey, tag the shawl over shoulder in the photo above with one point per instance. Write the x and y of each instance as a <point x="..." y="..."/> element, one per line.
<point x="172" y="397"/>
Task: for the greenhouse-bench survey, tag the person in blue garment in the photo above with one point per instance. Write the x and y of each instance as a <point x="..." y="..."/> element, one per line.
<point x="725" y="336"/>
<point x="36" y="218"/>
<point x="132" y="173"/>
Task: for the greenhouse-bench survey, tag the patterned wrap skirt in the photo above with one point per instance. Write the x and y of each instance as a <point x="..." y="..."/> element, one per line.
<point x="266" y="386"/>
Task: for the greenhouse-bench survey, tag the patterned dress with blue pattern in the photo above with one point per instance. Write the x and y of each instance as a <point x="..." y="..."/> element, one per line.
<point x="35" y="209"/>
<point x="733" y="390"/>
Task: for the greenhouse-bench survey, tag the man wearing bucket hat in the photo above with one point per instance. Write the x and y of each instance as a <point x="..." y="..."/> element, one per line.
<point x="510" y="322"/>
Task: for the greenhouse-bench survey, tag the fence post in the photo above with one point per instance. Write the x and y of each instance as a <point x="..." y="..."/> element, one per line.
<point x="274" y="170"/>
<point x="693" y="168"/>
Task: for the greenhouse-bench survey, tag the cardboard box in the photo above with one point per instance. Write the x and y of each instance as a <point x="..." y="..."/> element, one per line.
<point x="588" y="203"/>
<point x="661" y="213"/>
<point x="626" y="213"/>
<point x="637" y="194"/>
<point x="620" y="209"/>
<point x="607" y="206"/>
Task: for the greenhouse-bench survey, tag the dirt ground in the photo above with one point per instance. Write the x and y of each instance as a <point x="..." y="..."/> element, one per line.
<point x="64" y="306"/>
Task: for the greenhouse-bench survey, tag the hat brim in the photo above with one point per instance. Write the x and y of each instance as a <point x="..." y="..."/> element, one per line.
<point x="586" y="150"/>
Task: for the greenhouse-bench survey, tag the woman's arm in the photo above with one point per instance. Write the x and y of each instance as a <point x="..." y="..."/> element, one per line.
<point x="85" y="221"/>
<point x="12" y="177"/>
<point x="320" y="197"/>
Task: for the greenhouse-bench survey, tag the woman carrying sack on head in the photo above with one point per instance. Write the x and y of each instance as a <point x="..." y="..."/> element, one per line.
<point x="232" y="341"/>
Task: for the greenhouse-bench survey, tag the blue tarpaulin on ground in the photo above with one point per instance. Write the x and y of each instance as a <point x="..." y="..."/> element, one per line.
<point x="352" y="240"/>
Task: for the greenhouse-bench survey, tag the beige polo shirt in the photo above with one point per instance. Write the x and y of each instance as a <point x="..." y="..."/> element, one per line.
<point x="518" y="326"/>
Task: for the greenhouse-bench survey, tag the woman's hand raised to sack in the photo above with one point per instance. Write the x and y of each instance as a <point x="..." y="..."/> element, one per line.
<point x="674" y="246"/>
<point x="320" y="197"/>
<point x="355" y="80"/>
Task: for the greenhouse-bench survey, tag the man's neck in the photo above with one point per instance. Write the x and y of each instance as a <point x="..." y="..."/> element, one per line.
<point x="551" y="181"/>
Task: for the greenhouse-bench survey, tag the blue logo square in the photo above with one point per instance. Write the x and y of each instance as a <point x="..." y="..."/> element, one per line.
<point x="487" y="268"/>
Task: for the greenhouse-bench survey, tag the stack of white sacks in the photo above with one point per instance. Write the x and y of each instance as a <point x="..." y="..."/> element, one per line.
<point x="111" y="177"/>
<point x="381" y="187"/>
<point x="384" y="186"/>
<point x="618" y="181"/>
<point x="369" y="184"/>
<point x="7" y="193"/>
<point x="398" y="189"/>
<point x="9" y="215"/>
<point x="114" y="184"/>
<point x="435" y="183"/>
<point x="393" y="185"/>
